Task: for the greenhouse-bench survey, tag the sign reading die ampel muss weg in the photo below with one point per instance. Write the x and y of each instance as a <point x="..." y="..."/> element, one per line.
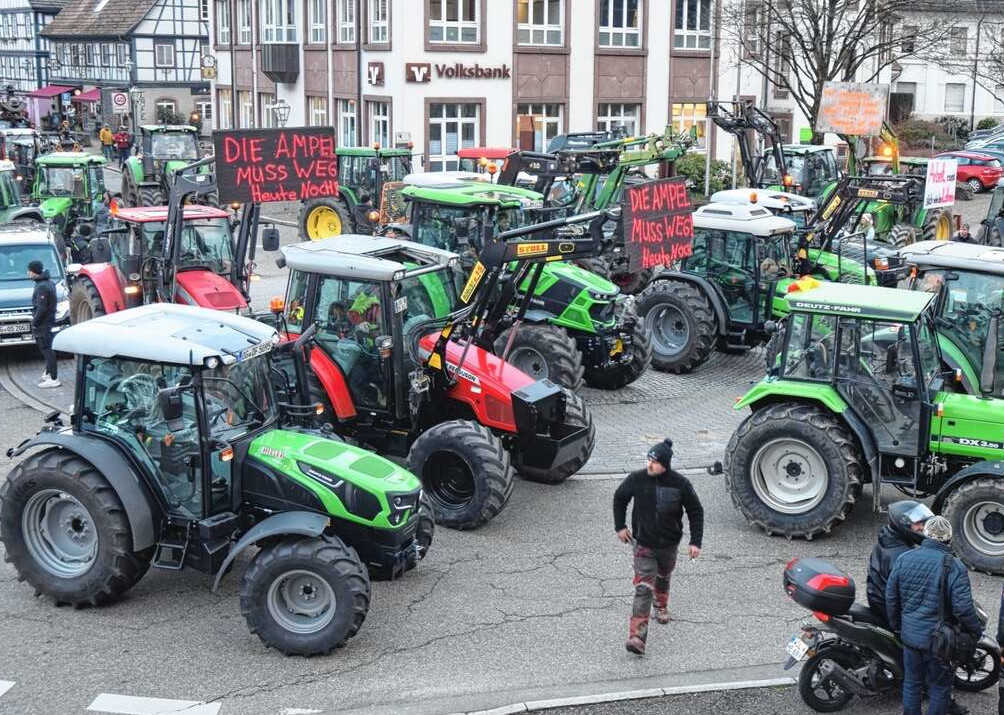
<point x="658" y="223"/>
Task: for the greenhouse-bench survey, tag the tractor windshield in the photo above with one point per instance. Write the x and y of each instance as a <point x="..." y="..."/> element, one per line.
<point x="238" y="398"/>
<point x="174" y="146"/>
<point x="14" y="260"/>
<point x="205" y="243"/>
<point x="996" y="203"/>
<point x="10" y="192"/>
<point x="964" y="309"/>
<point x="61" y="181"/>
<point x="429" y="295"/>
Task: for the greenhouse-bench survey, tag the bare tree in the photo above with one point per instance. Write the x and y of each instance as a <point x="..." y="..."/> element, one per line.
<point x="799" y="45"/>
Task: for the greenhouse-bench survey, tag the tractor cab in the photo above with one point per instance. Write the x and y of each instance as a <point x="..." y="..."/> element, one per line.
<point x="479" y="159"/>
<point x="992" y="227"/>
<point x="882" y="166"/>
<point x="21" y="146"/>
<point x="811" y="167"/>
<point x="10" y="191"/>
<point x="66" y="187"/>
<point x="162" y="143"/>
<point x="799" y="209"/>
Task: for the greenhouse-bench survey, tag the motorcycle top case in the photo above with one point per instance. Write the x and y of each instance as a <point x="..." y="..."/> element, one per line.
<point x="819" y="586"/>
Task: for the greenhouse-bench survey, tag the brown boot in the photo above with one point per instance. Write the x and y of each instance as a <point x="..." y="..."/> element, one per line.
<point x="635" y="645"/>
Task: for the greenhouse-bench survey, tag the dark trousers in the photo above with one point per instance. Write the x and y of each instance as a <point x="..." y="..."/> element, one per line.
<point x="652" y="570"/>
<point x="920" y="668"/>
<point x="43" y="339"/>
<point x="123" y="155"/>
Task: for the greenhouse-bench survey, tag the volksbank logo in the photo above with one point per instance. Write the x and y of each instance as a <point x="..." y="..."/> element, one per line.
<point x="422" y="71"/>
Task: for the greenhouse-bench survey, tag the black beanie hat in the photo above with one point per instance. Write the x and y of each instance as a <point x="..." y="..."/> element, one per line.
<point x="36" y="267"/>
<point x="662" y="452"/>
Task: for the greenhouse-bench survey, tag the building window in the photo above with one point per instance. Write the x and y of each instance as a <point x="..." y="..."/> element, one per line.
<point x="620" y="23"/>
<point x="123" y="52"/>
<point x="318" y="21"/>
<point x="955" y="97"/>
<point x="89" y="55"/>
<point x="203" y="10"/>
<point x="163" y="54"/>
<point x="907" y="44"/>
<point x="278" y="21"/>
<point x="107" y="55"/>
<point x="451" y="127"/>
<point x="223" y="22"/>
<point x="454" y="21"/>
<point x="226" y="109"/>
<point x="378" y="21"/>
<point x="245" y="109"/>
<point x="614" y="116"/>
<point x="693" y="25"/>
<point x="205" y="110"/>
<point x="547" y="121"/>
<point x="266" y="110"/>
<point x="691" y="114"/>
<point x="166" y="109"/>
<point x="999" y="99"/>
<point x="379" y="123"/>
<point x="906" y="88"/>
<point x="346" y="122"/>
<point x="347" y="21"/>
<point x="959" y="42"/>
<point x="318" y="108"/>
<point x="540" y="22"/>
<point x="244" y="22"/>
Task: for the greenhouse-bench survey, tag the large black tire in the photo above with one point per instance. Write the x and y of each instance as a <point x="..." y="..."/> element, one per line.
<point x="818" y="450"/>
<point x="114" y="567"/>
<point x="325" y="218"/>
<point x="324" y="559"/>
<point x="577" y="415"/>
<point x="85" y="301"/>
<point x="978" y="533"/>
<point x="151" y="196"/>
<point x="938" y="225"/>
<point x="833" y="697"/>
<point x="465" y="472"/>
<point x="680" y="323"/>
<point x="981" y="672"/>
<point x="633" y="283"/>
<point x="902" y="234"/>
<point x="544" y="351"/>
<point x="989" y="238"/>
<point x="625" y="374"/>
<point x="596" y="265"/>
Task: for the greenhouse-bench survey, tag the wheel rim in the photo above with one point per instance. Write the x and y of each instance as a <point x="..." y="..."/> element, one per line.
<point x="530" y="361"/>
<point x="975" y="185"/>
<point x="301" y="601"/>
<point x="978" y="669"/>
<point x="449" y="481"/>
<point x="789" y="476"/>
<point x="983" y="527"/>
<point x="825" y="688"/>
<point x="59" y="533"/>
<point x="323" y="222"/>
<point x="943" y="230"/>
<point x="669" y="328"/>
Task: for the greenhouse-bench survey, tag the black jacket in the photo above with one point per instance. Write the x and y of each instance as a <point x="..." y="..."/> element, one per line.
<point x="891" y="545"/>
<point x="43" y="302"/>
<point x="657" y="514"/>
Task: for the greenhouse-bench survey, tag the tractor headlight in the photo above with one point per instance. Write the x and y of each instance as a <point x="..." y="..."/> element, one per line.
<point x="402" y="505"/>
<point x="62" y="309"/>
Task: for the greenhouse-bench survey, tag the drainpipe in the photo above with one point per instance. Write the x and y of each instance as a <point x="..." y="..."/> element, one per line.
<point x="976" y="64"/>
<point x="359" y="72"/>
<point x="334" y="28"/>
<point x="254" y="64"/>
<point x="234" y="28"/>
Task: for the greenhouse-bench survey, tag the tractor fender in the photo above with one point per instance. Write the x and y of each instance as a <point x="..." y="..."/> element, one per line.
<point x="302" y="523"/>
<point x="721" y="317"/>
<point x="973" y="471"/>
<point x="134" y="165"/>
<point x="116" y="468"/>
<point x="333" y="381"/>
<point x="105" y="278"/>
<point x="865" y="439"/>
<point x="26" y="214"/>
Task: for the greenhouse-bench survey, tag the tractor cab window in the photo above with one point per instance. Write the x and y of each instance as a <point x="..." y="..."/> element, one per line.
<point x="61" y="181"/>
<point x="120" y="402"/>
<point x="10" y="193"/>
<point x="927" y="347"/>
<point x="433" y="225"/>
<point x="996" y="203"/>
<point x="96" y="180"/>
<point x="174" y="146"/>
<point x="207" y="243"/>
<point x="296" y="301"/>
<point x="729" y="259"/>
<point x="811" y="353"/>
<point x="427" y="296"/>
<point x="775" y="256"/>
<point x="395" y="168"/>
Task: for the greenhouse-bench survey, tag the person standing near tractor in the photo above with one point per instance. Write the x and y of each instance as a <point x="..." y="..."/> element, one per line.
<point x="660" y="497"/>
<point x="43" y="319"/>
<point x="123" y="142"/>
<point x="107" y="141"/>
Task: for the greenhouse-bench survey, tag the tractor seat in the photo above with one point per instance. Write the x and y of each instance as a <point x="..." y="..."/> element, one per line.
<point x="863" y="614"/>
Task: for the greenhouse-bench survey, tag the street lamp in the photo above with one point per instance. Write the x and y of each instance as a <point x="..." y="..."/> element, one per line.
<point x="128" y="67"/>
<point x="281" y="109"/>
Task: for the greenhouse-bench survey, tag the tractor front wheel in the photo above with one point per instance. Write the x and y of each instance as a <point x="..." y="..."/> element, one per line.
<point x="85" y="301"/>
<point x="976" y="510"/>
<point x="681" y="323"/>
<point x="902" y="234"/>
<point x="65" y="531"/>
<point x="938" y="225"/>
<point x="465" y="472"/>
<point x="793" y="469"/>
<point x="324" y="218"/>
<point x="626" y="373"/>
<point x="596" y="265"/>
<point x="305" y="596"/>
<point x="576" y="415"/>
<point x="544" y="352"/>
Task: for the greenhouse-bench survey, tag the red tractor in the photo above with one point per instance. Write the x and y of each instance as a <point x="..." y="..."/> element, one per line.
<point x="171" y="254"/>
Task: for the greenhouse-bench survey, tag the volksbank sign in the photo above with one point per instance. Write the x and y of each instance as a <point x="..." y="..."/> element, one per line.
<point x="423" y="71"/>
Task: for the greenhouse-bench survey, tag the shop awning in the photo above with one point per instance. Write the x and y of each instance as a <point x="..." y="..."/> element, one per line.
<point x="91" y="95"/>
<point x="49" y="91"/>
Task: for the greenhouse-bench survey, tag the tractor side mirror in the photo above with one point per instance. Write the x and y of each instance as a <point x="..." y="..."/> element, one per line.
<point x="988" y="371"/>
<point x="270" y="239"/>
<point x="172" y="407"/>
<point x="384" y="345"/>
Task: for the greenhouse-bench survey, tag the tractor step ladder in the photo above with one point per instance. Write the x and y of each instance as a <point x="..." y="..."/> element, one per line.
<point x="170" y="555"/>
<point x="736" y="340"/>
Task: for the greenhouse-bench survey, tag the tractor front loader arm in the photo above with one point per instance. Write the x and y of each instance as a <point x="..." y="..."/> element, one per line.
<point x="737" y="118"/>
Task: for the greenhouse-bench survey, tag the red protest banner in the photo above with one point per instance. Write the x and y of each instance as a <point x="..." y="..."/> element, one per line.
<point x="658" y="223"/>
<point x="262" y="165"/>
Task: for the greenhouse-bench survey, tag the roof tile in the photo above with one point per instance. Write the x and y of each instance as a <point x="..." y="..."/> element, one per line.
<point x="116" y="18"/>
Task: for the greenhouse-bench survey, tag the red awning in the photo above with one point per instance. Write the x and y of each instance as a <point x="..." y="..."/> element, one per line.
<point x="91" y="95"/>
<point x="50" y="91"/>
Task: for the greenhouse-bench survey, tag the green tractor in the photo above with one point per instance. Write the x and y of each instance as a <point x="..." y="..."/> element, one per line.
<point x="362" y="173"/>
<point x="579" y="329"/>
<point x="164" y="148"/>
<point x="11" y="207"/>
<point x="179" y="455"/>
<point x="66" y="188"/>
<point x="856" y="393"/>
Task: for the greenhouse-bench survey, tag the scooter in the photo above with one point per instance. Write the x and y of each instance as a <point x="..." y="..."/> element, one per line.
<point x="851" y="652"/>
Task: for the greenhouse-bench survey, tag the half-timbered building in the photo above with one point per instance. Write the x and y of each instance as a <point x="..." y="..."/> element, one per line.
<point x="24" y="52"/>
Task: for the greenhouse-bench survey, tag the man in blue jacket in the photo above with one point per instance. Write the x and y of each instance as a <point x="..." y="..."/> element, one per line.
<point x="912" y="595"/>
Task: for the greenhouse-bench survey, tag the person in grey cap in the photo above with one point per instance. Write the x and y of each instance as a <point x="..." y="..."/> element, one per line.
<point x="660" y="497"/>
<point x="912" y="596"/>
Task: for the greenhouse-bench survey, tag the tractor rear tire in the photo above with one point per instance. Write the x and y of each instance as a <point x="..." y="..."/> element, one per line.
<point x="85" y="301"/>
<point x="577" y="415"/>
<point x="989" y="238"/>
<point x="902" y="234"/>
<point x="626" y="373"/>
<point x="633" y="283"/>
<point x="150" y="196"/>
<point x="465" y="471"/>
<point x="969" y="507"/>
<point x="325" y="218"/>
<point x="680" y="322"/>
<point x="544" y="352"/>
<point x="822" y="466"/>
<point x="596" y="265"/>
<point x="53" y="507"/>
<point x="938" y="225"/>
<point x="321" y="570"/>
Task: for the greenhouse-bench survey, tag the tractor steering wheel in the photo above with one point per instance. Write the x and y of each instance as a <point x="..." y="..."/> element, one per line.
<point x="140" y="392"/>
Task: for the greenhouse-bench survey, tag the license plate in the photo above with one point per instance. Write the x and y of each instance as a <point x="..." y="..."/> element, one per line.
<point x="254" y="351"/>
<point x="797" y="648"/>
<point x="15" y="328"/>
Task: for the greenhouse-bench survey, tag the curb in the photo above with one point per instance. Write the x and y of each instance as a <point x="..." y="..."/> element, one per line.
<point x="599" y="698"/>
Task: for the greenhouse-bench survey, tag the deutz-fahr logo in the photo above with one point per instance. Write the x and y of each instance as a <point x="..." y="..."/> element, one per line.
<point x="819" y="306"/>
<point x="271" y="452"/>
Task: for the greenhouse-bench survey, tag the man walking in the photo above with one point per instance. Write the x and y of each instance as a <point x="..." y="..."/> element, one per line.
<point x="43" y="319"/>
<point x="107" y="141"/>
<point x="660" y="497"/>
<point x="912" y="597"/>
<point x="123" y="142"/>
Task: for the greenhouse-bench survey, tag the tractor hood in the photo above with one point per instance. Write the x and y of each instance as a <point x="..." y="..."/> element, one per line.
<point x="205" y="289"/>
<point x="55" y="206"/>
<point x="599" y="286"/>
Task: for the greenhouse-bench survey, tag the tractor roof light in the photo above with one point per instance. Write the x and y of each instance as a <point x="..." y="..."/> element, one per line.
<point x="277" y="305"/>
<point x="887" y="151"/>
<point x="373" y="216"/>
<point x="411" y="145"/>
<point x="493" y="169"/>
<point x="234" y="205"/>
<point x="399" y="275"/>
<point x="787" y="180"/>
<point x="753" y="197"/>
<point x="212" y="362"/>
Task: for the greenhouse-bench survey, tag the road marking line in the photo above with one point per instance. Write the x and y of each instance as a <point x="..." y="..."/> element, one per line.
<point x="5" y="685"/>
<point x="132" y="705"/>
<point x="299" y="711"/>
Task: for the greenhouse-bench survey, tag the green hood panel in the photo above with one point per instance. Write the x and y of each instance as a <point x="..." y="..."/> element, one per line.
<point x="773" y="387"/>
<point x="56" y="206"/>
<point x="580" y="276"/>
<point x="134" y="165"/>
